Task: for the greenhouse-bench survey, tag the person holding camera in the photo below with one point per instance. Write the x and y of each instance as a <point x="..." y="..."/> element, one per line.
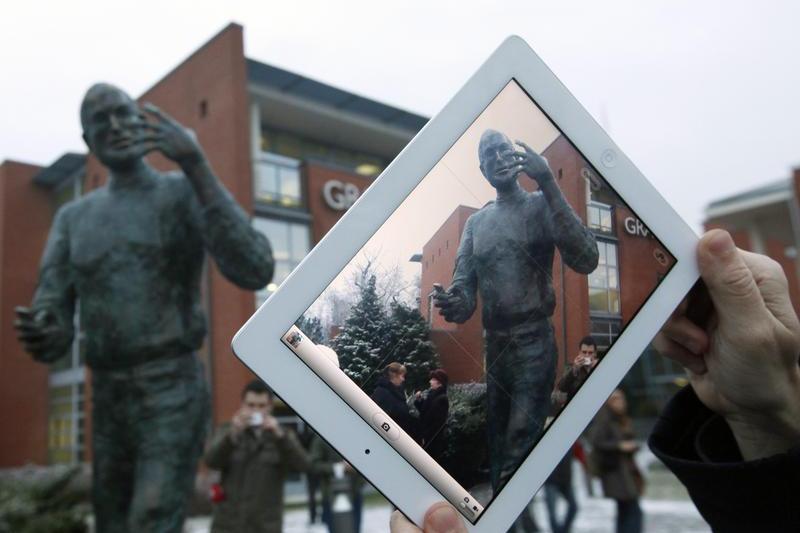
<point x="576" y="373"/>
<point x="253" y="453"/>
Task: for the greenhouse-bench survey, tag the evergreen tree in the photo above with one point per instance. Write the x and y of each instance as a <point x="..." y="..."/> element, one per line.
<point x="312" y="327"/>
<point x="409" y="339"/>
<point x="362" y="343"/>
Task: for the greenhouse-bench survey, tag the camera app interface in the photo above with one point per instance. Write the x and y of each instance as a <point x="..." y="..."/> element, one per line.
<point x="468" y="321"/>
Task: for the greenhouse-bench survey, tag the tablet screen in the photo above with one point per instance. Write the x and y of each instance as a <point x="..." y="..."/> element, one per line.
<point x="475" y="313"/>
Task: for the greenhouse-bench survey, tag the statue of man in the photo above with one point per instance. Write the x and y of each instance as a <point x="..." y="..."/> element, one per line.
<point x="506" y="256"/>
<point x="131" y="253"/>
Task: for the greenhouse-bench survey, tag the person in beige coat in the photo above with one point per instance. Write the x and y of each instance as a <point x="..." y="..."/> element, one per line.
<point x="253" y="453"/>
<point x="613" y="448"/>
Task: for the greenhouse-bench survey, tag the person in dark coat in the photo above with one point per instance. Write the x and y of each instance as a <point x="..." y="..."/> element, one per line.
<point x="613" y="448"/>
<point x="433" y="407"/>
<point x="390" y="396"/>
<point x="576" y="373"/>
<point x="254" y="454"/>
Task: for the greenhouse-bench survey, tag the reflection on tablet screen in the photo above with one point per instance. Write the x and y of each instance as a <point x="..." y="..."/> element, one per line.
<point x="479" y="308"/>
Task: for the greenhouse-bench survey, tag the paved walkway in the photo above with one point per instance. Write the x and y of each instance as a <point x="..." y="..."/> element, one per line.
<point x="666" y="507"/>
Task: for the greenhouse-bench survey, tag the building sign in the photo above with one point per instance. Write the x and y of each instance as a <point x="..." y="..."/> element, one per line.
<point x="634" y="226"/>
<point x="338" y="195"/>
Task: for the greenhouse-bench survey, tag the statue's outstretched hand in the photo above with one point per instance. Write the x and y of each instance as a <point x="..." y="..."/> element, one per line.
<point x="449" y="302"/>
<point x="168" y="136"/>
<point x="40" y="334"/>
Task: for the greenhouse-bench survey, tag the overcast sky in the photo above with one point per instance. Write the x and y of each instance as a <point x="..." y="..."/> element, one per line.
<point x="700" y="95"/>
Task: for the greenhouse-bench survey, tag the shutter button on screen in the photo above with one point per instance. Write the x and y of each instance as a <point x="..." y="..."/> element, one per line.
<point x="386" y="426"/>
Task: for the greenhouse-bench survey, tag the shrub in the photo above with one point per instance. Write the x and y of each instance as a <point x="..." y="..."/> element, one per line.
<point x="467" y="451"/>
<point x="49" y="505"/>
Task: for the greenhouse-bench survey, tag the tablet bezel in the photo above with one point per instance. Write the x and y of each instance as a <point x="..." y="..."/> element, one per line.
<point x="258" y="344"/>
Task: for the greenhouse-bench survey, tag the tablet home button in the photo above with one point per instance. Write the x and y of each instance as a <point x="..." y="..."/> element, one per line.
<point x="386" y="426"/>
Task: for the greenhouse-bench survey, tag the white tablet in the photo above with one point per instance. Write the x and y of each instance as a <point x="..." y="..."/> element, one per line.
<point x="509" y="229"/>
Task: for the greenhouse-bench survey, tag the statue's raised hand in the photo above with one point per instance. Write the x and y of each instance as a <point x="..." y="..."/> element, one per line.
<point x="532" y="164"/>
<point x="168" y="136"/>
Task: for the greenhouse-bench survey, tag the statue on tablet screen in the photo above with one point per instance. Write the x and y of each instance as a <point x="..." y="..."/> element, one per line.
<point x="506" y="256"/>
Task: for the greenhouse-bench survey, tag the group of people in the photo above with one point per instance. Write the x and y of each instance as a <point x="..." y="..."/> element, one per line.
<point x="433" y="406"/>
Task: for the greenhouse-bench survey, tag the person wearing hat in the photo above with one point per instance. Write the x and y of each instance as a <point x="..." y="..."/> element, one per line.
<point x="433" y="406"/>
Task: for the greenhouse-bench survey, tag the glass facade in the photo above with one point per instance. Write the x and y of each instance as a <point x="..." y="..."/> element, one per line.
<point x="290" y="242"/>
<point x="66" y="409"/>
<point x="277" y="180"/>
<point x="599" y="217"/>
<point x="290" y="145"/>
<point x="605" y="331"/>
<point x="604" y="281"/>
<point x="65" y="434"/>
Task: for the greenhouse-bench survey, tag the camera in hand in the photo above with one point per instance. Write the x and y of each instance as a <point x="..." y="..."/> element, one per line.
<point x="256" y="419"/>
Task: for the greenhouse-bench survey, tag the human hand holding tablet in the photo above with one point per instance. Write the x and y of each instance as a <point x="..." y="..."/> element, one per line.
<point x="501" y="199"/>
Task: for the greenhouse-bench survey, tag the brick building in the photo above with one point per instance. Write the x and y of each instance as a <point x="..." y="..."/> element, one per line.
<point x="294" y="152"/>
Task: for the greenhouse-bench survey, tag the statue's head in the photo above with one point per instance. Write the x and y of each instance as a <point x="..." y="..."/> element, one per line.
<point x="109" y="118"/>
<point x="497" y="158"/>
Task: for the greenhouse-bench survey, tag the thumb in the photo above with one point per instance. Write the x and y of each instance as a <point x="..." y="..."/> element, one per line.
<point x="442" y="518"/>
<point x="730" y="282"/>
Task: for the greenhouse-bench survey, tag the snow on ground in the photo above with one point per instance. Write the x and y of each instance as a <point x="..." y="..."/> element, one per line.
<point x="666" y="507"/>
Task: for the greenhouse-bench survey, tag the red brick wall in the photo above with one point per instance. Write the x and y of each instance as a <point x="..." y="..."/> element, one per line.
<point x="25" y="217"/>
<point x="639" y="266"/>
<point x="777" y="251"/>
<point x="460" y="346"/>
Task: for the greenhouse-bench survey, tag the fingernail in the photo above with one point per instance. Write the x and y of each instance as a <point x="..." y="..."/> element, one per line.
<point x="443" y="520"/>
<point x="720" y="243"/>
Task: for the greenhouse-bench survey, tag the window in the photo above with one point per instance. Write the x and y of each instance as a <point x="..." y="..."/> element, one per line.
<point x="277" y="180"/>
<point x="69" y="190"/>
<point x="290" y="243"/>
<point x="65" y="436"/>
<point x="605" y="331"/>
<point x="290" y="145"/>
<point x="604" y="281"/>
<point x="599" y="217"/>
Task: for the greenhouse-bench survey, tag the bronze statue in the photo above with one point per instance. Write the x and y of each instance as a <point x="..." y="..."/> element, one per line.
<point x="131" y="253"/>
<point x="506" y="256"/>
